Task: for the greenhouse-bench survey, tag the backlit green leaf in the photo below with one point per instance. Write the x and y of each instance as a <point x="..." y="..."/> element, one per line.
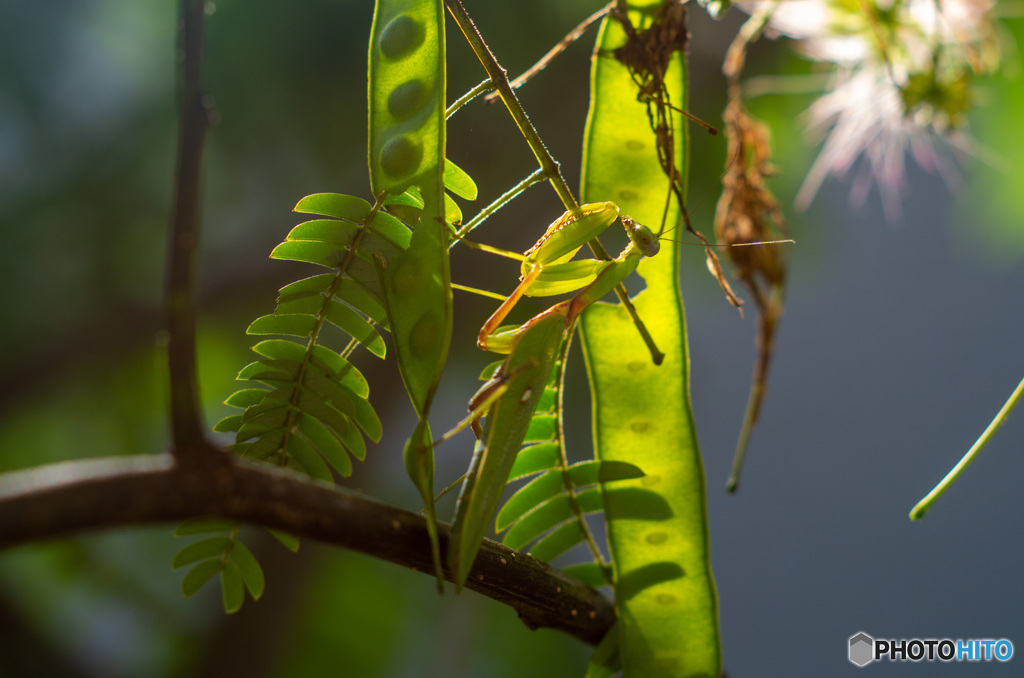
<point x="452" y="211"/>
<point x="538" y="490"/>
<point x="199" y="575"/>
<point x="232" y="590"/>
<point x="364" y="274"/>
<point x="228" y="424"/>
<point x="330" y="392"/>
<point x="272" y="412"/>
<point x="313" y="405"/>
<point x="252" y="573"/>
<point x="311" y="462"/>
<point x="337" y="205"/>
<point x="317" y="252"/>
<point x="246" y="397"/>
<point x="323" y="359"/>
<point x="270" y="442"/>
<point x="327" y="444"/>
<point x="489" y="371"/>
<point x="265" y="370"/>
<point x="351" y="322"/>
<point x="548" y="400"/>
<point x="549" y="514"/>
<point x="558" y="542"/>
<point x="391" y="229"/>
<point x="294" y="324"/>
<point x="541" y="428"/>
<point x="340" y="369"/>
<point x="342" y="235"/>
<point x="410" y="198"/>
<point x="353" y="441"/>
<point x="544" y="487"/>
<point x="200" y="550"/>
<point x="289" y="541"/>
<point x="458" y="182"/>
<point x="326" y="230"/>
<point x="367" y="419"/>
<point x="281" y="349"/>
<point x="534" y="459"/>
<point x="592" y="574"/>
<point x="312" y="286"/>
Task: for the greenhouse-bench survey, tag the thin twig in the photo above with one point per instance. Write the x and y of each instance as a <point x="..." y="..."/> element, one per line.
<point x="571" y="37"/>
<point x="187" y="428"/>
<point x="507" y="196"/>
<point x="467" y="97"/>
<point x="563" y="460"/>
<point x="922" y="506"/>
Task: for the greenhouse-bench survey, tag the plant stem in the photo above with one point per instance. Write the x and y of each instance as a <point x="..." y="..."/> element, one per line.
<point x="467" y="97"/>
<point x="922" y="506"/>
<point x="563" y="460"/>
<point x="571" y="37"/>
<point x="504" y="198"/>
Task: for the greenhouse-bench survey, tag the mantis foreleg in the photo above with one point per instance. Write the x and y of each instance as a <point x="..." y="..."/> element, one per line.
<point x="547" y="269"/>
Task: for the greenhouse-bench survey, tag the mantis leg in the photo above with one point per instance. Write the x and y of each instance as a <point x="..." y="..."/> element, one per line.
<point x="495" y="341"/>
<point x="607" y="280"/>
<point x="547" y="269"/>
<point x="529" y="363"/>
<point x="609" y="274"/>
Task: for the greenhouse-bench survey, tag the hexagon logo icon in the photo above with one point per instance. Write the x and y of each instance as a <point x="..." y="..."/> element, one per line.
<point x="862" y="649"/>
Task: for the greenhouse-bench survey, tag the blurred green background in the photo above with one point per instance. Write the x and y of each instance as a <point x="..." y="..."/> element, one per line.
<point x="87" y="138"/>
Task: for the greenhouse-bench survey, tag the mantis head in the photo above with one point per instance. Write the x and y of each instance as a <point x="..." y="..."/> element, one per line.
<point x="643" y="238"/>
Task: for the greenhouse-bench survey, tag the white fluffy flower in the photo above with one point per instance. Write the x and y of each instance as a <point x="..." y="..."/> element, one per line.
<point x="902" y="70"/>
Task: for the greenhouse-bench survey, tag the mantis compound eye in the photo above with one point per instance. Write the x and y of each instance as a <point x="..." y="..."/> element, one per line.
<point x="642" y="237"/>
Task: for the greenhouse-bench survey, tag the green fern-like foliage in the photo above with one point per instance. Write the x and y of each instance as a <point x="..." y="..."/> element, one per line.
<point x="307" y="406"/>
<point x="409" y="205"/>
<point x="547" y="516"/>
<point x="223" y="554"/>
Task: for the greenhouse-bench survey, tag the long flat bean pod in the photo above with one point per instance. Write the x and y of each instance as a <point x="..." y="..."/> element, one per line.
<point x="657" y="525"/>
<point x="407" y="147"/>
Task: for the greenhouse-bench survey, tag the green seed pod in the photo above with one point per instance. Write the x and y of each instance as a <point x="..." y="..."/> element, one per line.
<point x="406" y="94"/>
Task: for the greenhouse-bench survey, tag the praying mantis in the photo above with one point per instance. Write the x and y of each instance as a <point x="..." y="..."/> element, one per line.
<point x="531" y="348"/>
<point x="548" y="271"/>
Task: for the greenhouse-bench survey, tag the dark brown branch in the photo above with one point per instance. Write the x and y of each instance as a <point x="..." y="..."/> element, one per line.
<point x="59" y="499"/>
<point x="186" y="421"/>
